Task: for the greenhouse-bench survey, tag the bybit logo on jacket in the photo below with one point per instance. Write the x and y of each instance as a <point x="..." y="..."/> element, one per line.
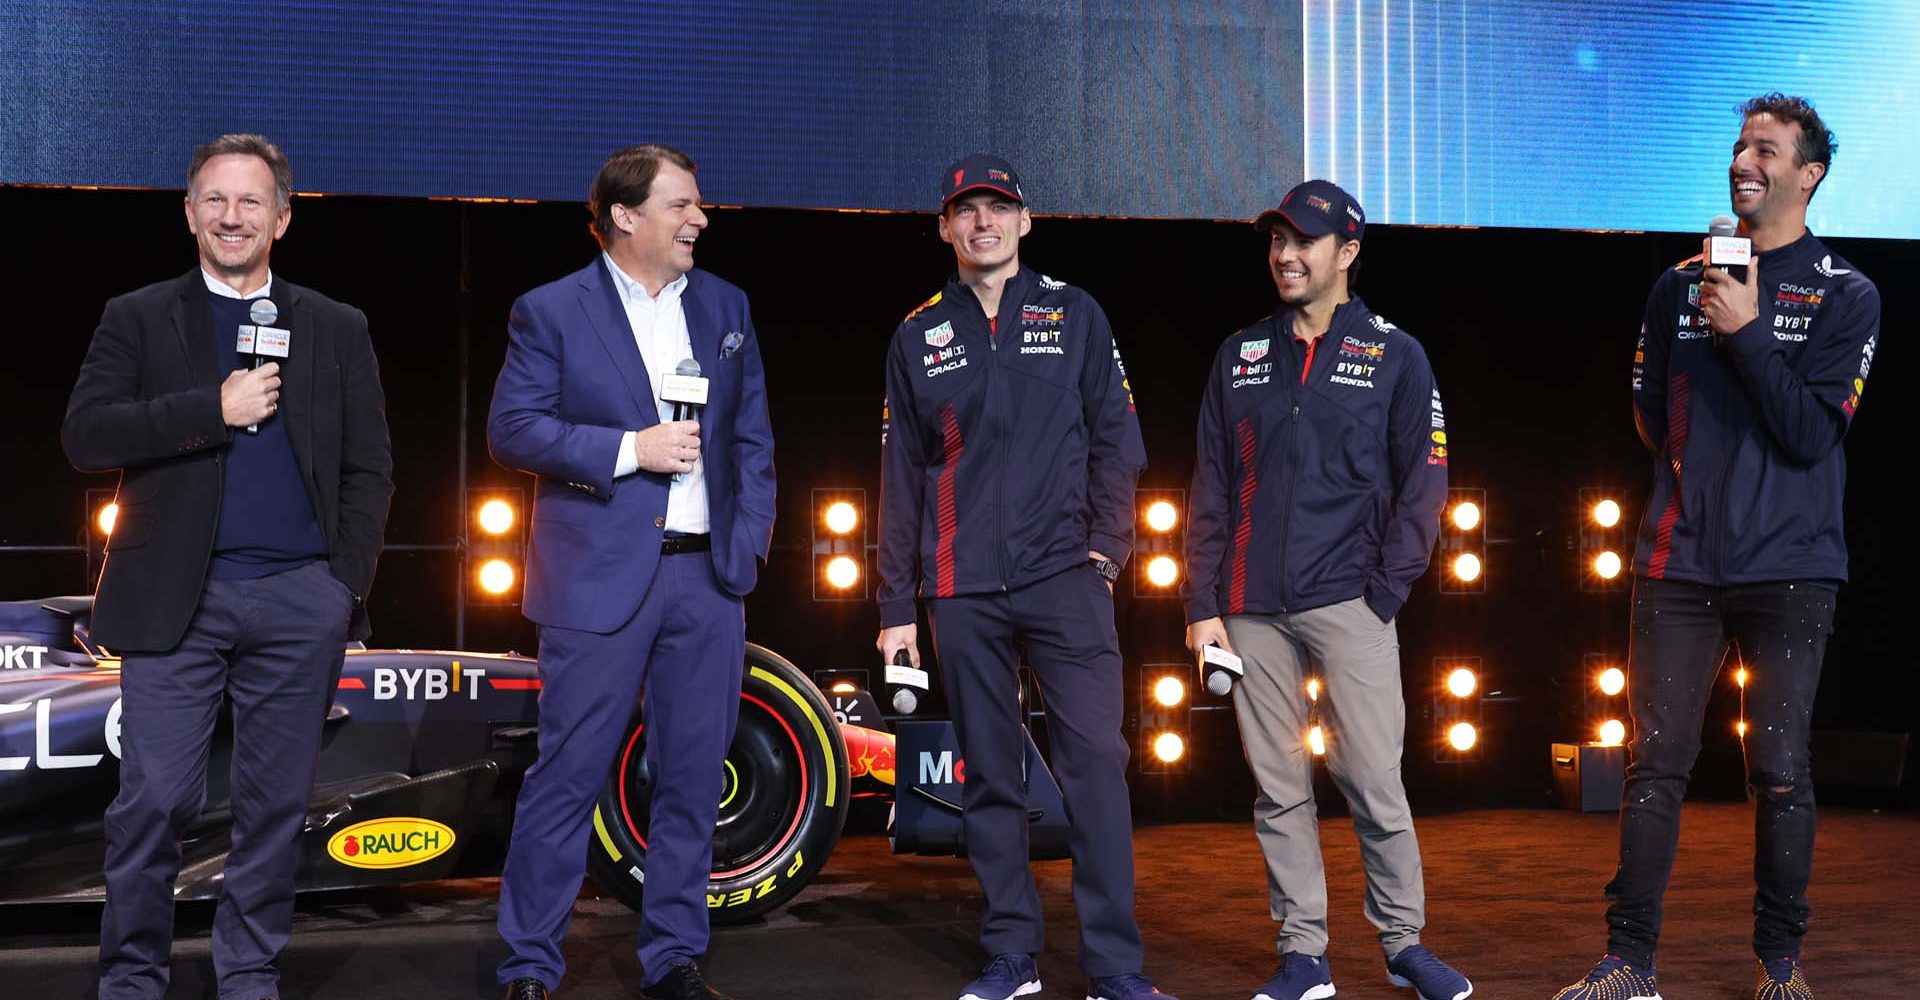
<point x="390" y="842"/>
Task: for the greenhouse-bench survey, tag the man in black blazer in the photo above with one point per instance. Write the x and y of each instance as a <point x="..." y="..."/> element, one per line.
<point x="252" y="504"/>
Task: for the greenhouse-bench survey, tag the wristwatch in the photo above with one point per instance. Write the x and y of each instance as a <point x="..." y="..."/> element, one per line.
<point x="1107" y="568"/>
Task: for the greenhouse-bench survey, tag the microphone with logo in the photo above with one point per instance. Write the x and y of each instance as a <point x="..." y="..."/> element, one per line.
<point x="262" y="341"/>
<point x="686" y="389"/>
<point x="1727" y="250"/>
<point x="905" y="683"/>
<point x="1220" y="669"/>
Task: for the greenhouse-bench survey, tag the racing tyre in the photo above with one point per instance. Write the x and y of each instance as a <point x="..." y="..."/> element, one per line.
<point x="782" y="803"/>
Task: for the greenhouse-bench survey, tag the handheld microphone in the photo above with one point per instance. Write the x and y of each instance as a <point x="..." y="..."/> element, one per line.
<point x="686" y="389"/>
<point x="905" y="683"/>
<point x="1220" y="670"/>
<point x="261" y="340"/>
<point x="1726" y="249"/>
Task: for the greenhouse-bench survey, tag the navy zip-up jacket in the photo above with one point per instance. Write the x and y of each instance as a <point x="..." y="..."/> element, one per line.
<point x="1319" y="471"/>
<point x="1004" y="456"/>
<point x="1748" y="471"/>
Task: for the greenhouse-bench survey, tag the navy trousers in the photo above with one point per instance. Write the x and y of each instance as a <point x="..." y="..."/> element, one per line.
<point x="681" y="654"/>
<point x="273" y="647"/>
<point x="1065" y="624"/>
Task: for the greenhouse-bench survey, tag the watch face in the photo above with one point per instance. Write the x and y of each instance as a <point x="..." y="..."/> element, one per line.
<point x="1107" y="568"/>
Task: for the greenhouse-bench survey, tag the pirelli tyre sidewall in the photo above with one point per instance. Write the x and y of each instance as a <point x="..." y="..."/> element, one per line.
<point x="783" y="800"/>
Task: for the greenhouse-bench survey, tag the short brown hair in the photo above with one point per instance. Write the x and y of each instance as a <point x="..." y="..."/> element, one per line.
<point x="626" y="179"/>
<point x="247" y="144"/>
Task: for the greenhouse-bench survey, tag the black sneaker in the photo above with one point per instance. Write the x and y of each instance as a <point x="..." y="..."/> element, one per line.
<point x="1613" y="979"/>
<point x="682" y="982"/>
<point x="1782" y="979"/>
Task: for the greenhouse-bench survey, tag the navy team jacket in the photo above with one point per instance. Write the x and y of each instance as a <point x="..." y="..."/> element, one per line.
<point x="1320" y="469"/>
<point x="1009" y="448"/>
<point x="1748" y="470"/>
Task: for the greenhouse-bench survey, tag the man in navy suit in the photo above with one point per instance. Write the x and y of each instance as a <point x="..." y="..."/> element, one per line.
<point x="647" y="534"/>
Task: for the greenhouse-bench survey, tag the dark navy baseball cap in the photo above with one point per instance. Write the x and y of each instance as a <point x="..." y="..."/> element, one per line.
<point x="981" y="171"/>
<point x="1317" y="208"/>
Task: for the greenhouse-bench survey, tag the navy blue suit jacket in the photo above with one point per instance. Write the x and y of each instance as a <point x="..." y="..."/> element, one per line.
<point x="572" y="385"/>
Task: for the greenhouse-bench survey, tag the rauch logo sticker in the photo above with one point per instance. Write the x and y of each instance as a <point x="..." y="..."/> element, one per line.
<point x="390" y="842"/>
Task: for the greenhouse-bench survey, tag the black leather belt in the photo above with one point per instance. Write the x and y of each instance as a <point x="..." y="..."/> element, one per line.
<point x="673" y="545"/>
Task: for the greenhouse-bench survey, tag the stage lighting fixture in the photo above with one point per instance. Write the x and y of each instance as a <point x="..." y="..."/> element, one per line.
<point x="1162" y="516"/>
<point x="1169" y="749"/>
<point x="1601" y="540"/>
<point x="1313" y="689"/>
<point x="1165" y="692"/>
<point x="1317" y="741"/>
<point x="1456" y="704"/>
<point x="1463" y="542"/>
<point x="839" y="544"/>
<point x="1612" y="681"/>
<point x="1613" y="732"/>
<point x="494" y="544"/>
<point x="101" y="513"/>
<point x="1740" y="676"/>
<point x="1159" y="549"/>
<point x="1603" y="692"/>
<point x="1740" y="729"/>
<point x="842" y="517"/>
<point x="842" y="572"/>
<point x="496" y="577"/>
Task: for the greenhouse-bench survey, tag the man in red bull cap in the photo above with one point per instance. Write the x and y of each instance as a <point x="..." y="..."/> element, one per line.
<point x="1013" y="538"/>
<point x="1318" y="479"/>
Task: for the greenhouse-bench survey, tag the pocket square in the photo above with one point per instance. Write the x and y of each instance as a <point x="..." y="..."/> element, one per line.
<point x="731" y="343"/>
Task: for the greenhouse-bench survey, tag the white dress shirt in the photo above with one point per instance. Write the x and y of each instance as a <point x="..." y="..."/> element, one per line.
<point x="224" y="290"/>
<point x="660" y="331"/>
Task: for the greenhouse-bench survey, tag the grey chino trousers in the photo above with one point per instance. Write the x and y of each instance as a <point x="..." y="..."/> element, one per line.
<point x="1364" y="720"/>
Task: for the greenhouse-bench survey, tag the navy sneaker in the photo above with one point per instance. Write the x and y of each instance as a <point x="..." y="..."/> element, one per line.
<point x="1782" y="979"/>
<point x="1004" y="978"/>
<point x="1131" y="986"/>
<point x="1300" y="977"/>
<point x="1613" y="979"/>
<point x="1417" y="969"/>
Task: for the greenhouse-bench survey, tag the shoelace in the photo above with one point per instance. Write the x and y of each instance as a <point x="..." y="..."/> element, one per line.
<point x="1132" y="982"/>
<point x="1607" y="967"/>
<point x="1006" y="966"/>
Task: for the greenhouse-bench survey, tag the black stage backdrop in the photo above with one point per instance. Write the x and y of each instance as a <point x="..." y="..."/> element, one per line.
<point x="1531" y="333"/>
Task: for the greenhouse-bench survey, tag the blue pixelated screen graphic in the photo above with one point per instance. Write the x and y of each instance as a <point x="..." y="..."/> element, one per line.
<point x="1554" y="113"/>
<point x="1592" y="114"/>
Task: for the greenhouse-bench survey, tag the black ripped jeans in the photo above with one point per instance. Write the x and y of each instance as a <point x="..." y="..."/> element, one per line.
<point x="1680" y="633"/>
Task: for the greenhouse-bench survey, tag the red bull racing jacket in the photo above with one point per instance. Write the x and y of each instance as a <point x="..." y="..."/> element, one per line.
<point x="1009" y="447"/>
<point x="1319" y="472"/>
<point x="1748" y="472"/>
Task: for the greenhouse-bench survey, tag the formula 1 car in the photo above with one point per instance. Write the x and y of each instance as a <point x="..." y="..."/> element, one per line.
<point x="422" y="759"/>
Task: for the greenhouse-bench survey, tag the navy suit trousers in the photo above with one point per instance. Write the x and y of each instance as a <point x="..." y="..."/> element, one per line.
<point x="681" y="655"/>
<point x="271" y="646"/>
<point x="1065" y="624"/>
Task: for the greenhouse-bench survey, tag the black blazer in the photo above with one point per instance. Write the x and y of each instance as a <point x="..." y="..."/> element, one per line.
<point x="147" y="403"/>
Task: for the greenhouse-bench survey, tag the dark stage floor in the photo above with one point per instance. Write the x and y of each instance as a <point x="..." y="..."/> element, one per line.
<point x="1513" y="898"/>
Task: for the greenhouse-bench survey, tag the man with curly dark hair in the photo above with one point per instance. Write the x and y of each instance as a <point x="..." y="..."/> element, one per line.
<point x="1743" y="388"/>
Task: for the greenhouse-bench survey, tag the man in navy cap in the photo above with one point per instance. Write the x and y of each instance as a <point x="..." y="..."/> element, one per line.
<point x="1319" y="474"/>
<point x="1014" y="539"/>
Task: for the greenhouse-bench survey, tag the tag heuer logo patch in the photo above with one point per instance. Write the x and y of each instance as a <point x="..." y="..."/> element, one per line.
<point x="940" y="336"/>
<point x="1253" y="350"/>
